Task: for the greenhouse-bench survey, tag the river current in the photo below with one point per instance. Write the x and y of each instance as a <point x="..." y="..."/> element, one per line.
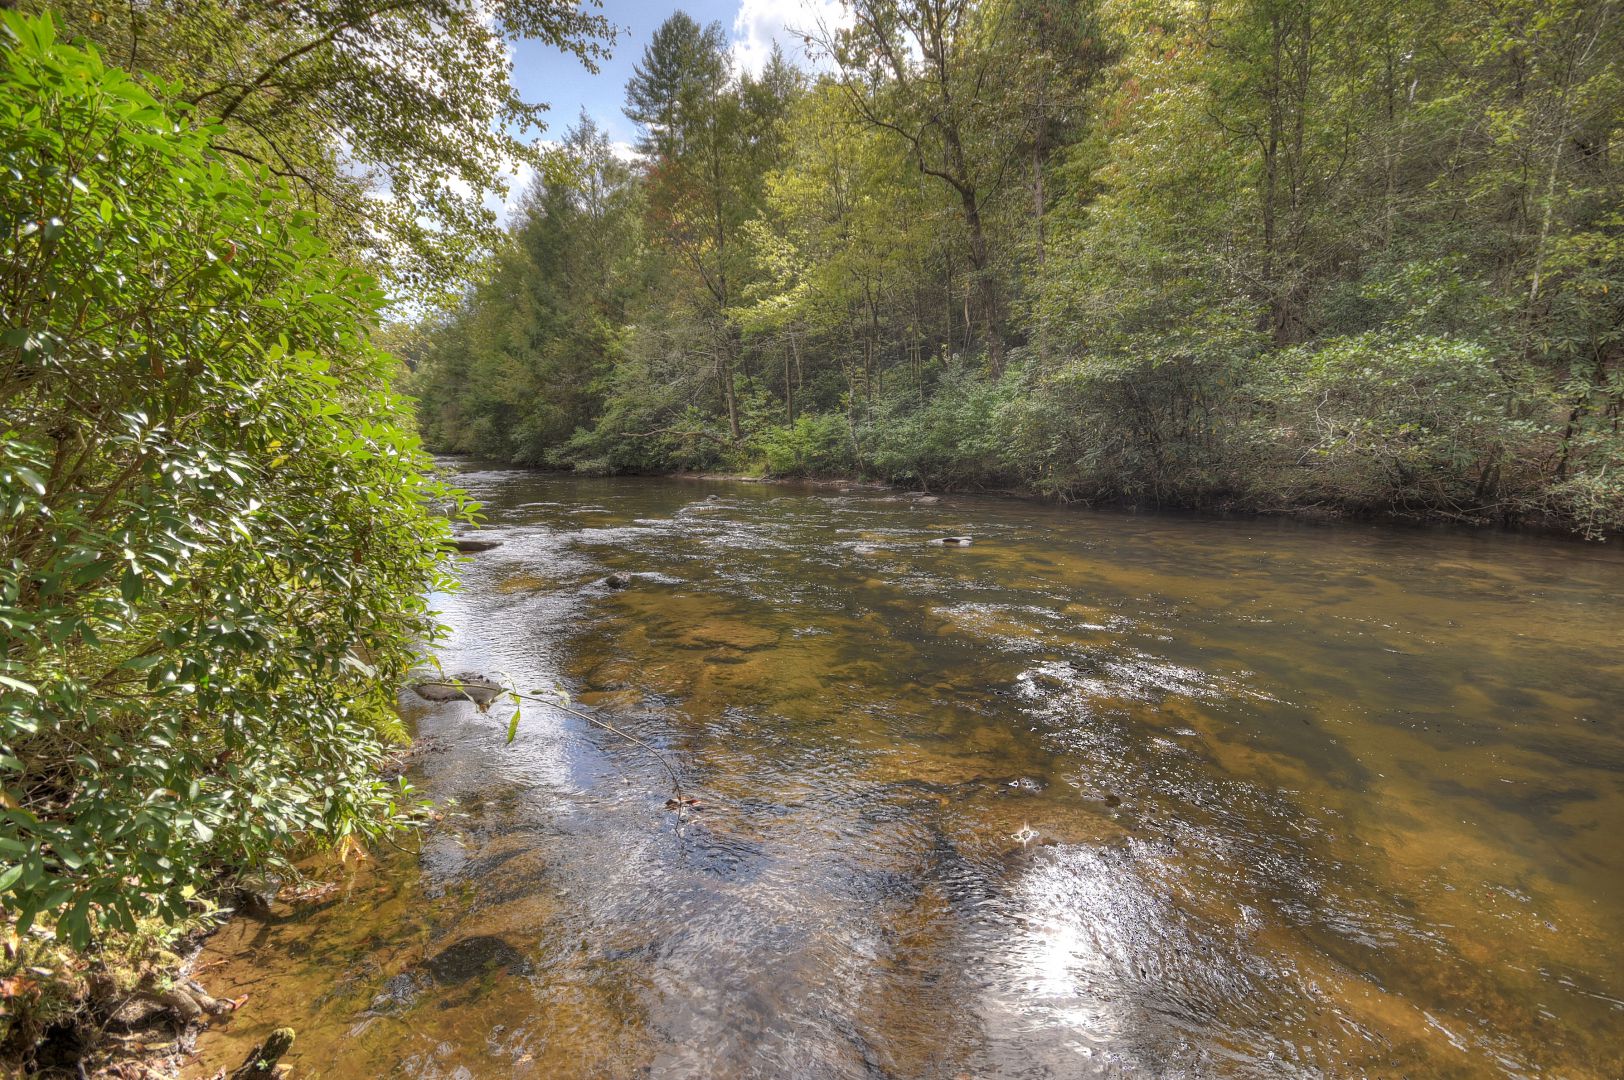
<point x="1098" y="794"/>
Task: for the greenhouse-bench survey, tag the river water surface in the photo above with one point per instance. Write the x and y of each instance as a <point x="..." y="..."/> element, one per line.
<point x="1099" y="795"/>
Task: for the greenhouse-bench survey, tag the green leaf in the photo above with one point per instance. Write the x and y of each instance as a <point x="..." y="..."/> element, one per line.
<point x="31" y="478"/>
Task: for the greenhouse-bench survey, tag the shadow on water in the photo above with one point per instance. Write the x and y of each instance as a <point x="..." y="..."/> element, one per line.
<point x="1097" y="795"/>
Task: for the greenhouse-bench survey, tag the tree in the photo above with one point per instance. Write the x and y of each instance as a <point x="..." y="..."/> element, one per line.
<point x="927" y="72"/>
<point x="520" y="364"/>
<point x="392" y="120"/>
<point x="712" y="138"/>
<point x="673" y="90"/>
<point x="1255" y="253"/>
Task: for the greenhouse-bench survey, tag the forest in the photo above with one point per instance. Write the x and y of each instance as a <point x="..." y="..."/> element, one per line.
<point x="1276" y="255"/>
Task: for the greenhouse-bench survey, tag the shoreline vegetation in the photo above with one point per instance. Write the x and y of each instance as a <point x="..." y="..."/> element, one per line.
<point x="218" y="530"/>
<point x="1267" y="254"/>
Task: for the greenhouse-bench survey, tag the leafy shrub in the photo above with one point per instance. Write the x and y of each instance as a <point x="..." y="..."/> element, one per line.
<point x="215" y="533"/>
<point x="816" y="445"/>
<point x="1405" y="422"/>
<point x="1152" y="415"/>
<point x="958" y="438"/>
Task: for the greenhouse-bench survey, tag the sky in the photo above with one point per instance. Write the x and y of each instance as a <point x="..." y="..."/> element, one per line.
<point x="542" y="73"/>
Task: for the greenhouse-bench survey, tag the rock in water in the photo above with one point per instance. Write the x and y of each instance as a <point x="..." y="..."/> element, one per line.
<point x="952" y="540"/>
<point x="618" y="580"/>
<point x="473" y="957"/>
<point x="463" y="686"/>
<point x="262" y="1060"/>
<point x="468" y="547"/>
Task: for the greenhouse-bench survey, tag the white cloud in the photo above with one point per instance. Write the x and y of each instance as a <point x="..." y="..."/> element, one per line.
<point x="518" y="183"/>
<point x="759" y="23"/>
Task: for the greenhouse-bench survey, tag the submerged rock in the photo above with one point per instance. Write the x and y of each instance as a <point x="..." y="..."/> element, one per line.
<point x="472" y="957"/>
<point x="726" y="634"/>
<point x="618" y="580"/>
<point x="463" y="686"/>
<point x="523" y="582"/>
<point x="262" y="1061"/>
<point x="400" y="992"/>
<point x="952" y="540"/>
<point x="468" y="547"/>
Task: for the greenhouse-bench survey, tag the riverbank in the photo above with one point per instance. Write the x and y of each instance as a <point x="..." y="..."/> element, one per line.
<point x="133" y="1006"/>
<point x="1229" y="508"/>
<point x="1220" y="509"/>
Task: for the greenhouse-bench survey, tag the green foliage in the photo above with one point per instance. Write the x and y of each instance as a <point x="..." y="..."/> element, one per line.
<point x="817" y="445"/>
<point x="518" y="366"/>
<point x="1409" y="423"/>
<point x="1253" y="253"/>
<point x="1152" y="418"/>
<point x="215" y="534"/>
<point x="959" y="438"/>
<point x="394" y="121"/>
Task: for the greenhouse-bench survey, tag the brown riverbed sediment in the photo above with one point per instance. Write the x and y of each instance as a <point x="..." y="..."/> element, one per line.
<point x="1096" y="795"/>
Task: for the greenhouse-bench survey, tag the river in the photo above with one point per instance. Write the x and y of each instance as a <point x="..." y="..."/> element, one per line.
<point x="1099" y="794"/>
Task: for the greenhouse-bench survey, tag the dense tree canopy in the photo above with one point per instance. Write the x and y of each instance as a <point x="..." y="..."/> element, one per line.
<point x="1264" y="253"/>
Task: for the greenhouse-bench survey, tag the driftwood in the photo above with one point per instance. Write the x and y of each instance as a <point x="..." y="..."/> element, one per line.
<point x="262" y="1060"/>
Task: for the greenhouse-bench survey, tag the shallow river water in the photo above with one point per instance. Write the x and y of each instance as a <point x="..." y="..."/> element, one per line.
<point x="1101" y="794"/>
